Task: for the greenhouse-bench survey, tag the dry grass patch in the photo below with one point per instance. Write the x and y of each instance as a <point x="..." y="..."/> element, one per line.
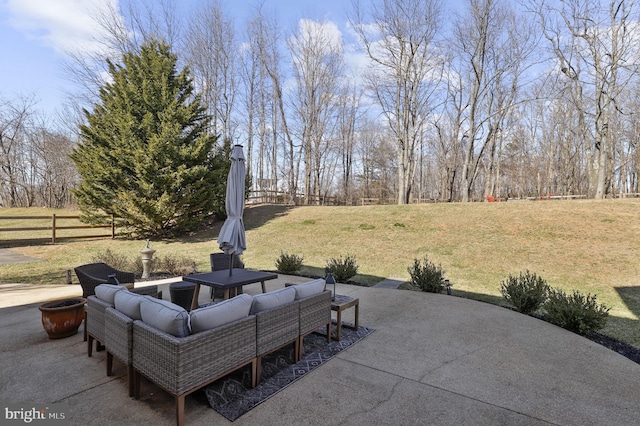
<point x="591" y="246"/>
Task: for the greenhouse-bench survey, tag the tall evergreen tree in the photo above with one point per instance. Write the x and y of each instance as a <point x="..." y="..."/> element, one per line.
<point x="145" y="155"/>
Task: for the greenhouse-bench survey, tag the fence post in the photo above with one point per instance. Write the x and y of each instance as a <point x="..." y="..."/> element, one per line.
<point x="113" y="227"/>
<point x="53" y="229"/>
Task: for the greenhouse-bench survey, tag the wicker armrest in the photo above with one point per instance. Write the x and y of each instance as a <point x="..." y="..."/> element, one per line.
<point x="277" y="327"/>
<point x="96" y="317"/>
<point x="124" y="277"/>
<point x="118" y="331"/>
<point x="182" y="365"/>
<point x="315" y="312"/>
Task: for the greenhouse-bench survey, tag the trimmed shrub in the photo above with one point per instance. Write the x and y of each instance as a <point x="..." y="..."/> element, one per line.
<point x="288" y="263"/>
<point x="526" y="292"/>
<point x="342" y="268"/>
<point x="167" y="265"/>
<point x="174" y="265"/>
<point x="138" y="268"/>
<point x="427" y="276"/>
<point x="576" y="312"/>
<point x="118" y="261"/>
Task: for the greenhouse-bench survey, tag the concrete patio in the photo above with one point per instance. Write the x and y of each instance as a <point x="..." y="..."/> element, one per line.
<point x="433" y="360"/>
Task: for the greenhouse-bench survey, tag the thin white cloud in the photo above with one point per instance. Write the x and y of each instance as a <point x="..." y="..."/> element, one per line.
<point x="68" y="26"/>
<point x="327" y="30"/>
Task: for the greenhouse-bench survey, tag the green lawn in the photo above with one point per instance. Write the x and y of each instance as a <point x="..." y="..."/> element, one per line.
<point x="591" y="246"/>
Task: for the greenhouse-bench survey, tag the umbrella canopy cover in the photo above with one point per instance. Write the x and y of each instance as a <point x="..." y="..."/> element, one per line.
<point x="231" y="238"/>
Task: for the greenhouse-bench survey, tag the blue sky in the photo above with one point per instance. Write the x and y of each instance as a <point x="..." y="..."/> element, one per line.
<point x="35" y="34"/>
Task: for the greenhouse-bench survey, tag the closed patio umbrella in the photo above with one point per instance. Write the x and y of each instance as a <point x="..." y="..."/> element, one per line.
<point x="231" y="238"/>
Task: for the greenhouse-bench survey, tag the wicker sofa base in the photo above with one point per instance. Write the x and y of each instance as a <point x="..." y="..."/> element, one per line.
<point x="180" y="398"/>
<point x="180" y="366"/>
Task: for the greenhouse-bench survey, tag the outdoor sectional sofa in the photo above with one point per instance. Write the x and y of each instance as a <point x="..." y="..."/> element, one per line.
<point x="182" y="352"/>
<point x="95" y="315"/>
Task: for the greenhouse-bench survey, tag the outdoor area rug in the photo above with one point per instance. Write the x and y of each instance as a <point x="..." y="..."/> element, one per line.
<point x="232" y="395"/>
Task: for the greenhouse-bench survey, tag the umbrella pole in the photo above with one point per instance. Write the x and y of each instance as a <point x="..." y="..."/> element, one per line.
<point x="231" y="264"/>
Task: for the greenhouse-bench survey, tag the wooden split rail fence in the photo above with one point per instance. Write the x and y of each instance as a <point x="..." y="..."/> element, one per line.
<point x="54" y="229"/>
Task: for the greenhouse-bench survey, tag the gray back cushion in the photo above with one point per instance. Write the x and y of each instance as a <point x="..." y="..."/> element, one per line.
<point x="165" y="316"/>
<point x="213" y="316"/>
<point x="309" y="289"/>
<point x="129" y="303"/>
<point x="273" y="299"/>
<point x="107" y="292"/>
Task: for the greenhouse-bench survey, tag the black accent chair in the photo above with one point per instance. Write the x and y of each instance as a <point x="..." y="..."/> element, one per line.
<point x="92" y="275"/>
<point x="219" y="262"/>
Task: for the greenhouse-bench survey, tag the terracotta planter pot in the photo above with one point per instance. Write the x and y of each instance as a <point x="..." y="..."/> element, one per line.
<point x="61" y="318"/>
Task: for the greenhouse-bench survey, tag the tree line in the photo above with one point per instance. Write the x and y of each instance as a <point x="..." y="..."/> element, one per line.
<point x="414" y="101"/>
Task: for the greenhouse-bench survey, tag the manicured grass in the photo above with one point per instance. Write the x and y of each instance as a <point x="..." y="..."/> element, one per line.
<point x="591" y="246"/>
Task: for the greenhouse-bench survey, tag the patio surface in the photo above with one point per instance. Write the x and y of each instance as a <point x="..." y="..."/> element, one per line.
<point x="432" y="360"/>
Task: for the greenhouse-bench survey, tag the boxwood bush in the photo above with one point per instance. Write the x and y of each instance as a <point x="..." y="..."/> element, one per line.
<point x="427" y="276"/>
<point x="342" y="268"/>
<point x="288" y="263"/>
<point x="526" y="292"/>
<point x="575" y="312"/>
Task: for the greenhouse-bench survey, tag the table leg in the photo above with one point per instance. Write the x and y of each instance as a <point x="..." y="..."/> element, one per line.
<point x="196" y="294"/>
<point x="339" y="325"/>
<point x="263" y="289"/>
<point x="226" y="294"/>
<point x="357" y="315"/>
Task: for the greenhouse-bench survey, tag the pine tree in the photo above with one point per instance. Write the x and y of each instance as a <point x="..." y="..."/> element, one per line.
<point x="145" y="155"/>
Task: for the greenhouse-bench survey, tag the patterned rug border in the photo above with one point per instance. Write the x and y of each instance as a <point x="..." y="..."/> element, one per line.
<point x="231" y="398"/>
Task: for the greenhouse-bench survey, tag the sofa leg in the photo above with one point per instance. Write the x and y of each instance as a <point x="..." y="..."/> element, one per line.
<point x="109" y="363"/>
<point x="180" y="410"/>
<point x="89" y="345"/>
<point x="297" y="352"/>
<point x="136" y="384"/>
<point x="99" y="346"/>
<point x="329" y="332"/>
<point x="254" y="373"/>
<point x="130" y="379"/>
<point x="258" y="370"/>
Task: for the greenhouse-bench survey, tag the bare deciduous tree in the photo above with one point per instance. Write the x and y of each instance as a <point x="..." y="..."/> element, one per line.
<point x="212" y="52"/>
<point x="492" y="45"/>
<point x="398" y="36"/>
<point x="316" y="53"/>
<point x="15" y="125"/>
<point x="595" y="44"/>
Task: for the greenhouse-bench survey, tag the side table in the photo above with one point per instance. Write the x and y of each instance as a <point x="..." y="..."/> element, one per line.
<point x="341" y="303"/>
<point x="181" y="293"/>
